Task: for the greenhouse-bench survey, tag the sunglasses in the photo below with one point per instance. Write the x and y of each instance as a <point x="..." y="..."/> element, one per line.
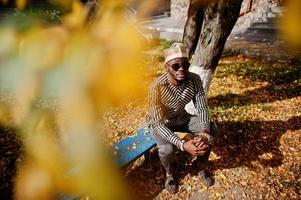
<point x="177" y="66"/>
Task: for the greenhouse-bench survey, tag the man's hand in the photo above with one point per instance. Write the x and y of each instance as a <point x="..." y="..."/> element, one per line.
<point x="201" y="140"/>
<point x="195" y="147"/>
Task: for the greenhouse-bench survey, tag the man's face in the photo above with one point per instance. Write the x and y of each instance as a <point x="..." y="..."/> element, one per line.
<point x="178" y="68"/>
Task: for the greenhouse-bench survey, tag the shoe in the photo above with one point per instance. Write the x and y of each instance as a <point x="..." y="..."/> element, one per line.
<point x="208" y="181"/>
<point x="170" y="184"/>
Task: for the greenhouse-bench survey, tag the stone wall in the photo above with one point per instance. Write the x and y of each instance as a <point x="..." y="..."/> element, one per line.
<point x="261" y="9"/>
<point x="178" y="8"/>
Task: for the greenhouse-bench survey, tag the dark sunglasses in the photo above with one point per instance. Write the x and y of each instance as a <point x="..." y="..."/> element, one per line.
<point x="177" y="66"/>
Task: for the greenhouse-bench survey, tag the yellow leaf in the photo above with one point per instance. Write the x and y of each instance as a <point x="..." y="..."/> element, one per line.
<point x="290" y="23"/>
<point x="21" y="4"/>
<point x="77" y="16"/>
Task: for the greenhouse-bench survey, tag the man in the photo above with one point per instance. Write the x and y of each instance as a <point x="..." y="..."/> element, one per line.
<point x="167" y="97"/>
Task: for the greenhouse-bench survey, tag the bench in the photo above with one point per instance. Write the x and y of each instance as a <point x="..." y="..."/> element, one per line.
<point x="128" y="150"/>
<point x="132" y="147"/>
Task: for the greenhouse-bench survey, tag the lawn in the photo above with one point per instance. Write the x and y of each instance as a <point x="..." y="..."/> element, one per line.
<point x="257" y="106"/>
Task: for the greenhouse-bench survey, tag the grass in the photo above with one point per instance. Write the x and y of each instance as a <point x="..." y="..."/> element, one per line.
<point x="256" y="104"/>
<point x="165" y="43"/>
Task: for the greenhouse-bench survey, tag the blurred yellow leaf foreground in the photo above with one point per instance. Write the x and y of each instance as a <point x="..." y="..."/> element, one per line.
<point x="56" y="81"/>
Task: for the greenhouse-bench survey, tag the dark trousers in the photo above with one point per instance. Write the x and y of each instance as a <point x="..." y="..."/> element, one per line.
<point x="167" y="149"/>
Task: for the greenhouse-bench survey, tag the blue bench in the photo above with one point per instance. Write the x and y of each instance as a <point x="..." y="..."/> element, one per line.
<point x="132" y="147"/>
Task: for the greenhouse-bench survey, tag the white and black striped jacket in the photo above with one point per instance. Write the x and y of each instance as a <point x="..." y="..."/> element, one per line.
<point x="167" y="103"/>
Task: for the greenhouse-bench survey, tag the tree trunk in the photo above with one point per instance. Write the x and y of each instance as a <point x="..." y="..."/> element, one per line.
<point x="206" y="30"/>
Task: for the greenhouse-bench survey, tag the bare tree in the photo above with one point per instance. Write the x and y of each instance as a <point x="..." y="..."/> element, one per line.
<point x="207" y="28"/>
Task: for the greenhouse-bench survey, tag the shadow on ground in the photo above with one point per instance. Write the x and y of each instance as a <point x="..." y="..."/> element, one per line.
<point x="244" y="142"/>
<point x="239" y="144"/>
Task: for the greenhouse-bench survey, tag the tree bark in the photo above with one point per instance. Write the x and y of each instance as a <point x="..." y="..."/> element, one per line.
<point x="207" y="28"/>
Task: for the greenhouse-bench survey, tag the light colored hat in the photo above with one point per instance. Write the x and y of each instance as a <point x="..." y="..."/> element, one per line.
<point x="176" y="50"/>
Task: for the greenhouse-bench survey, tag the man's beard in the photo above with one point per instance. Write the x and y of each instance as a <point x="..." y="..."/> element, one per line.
<point x="173" y="76"/>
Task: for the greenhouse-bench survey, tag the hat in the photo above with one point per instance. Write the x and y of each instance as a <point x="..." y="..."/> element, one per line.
<point x="176" y="50"/>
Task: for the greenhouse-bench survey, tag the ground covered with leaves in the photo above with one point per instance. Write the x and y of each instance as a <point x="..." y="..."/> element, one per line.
<point x="257" y="106"/>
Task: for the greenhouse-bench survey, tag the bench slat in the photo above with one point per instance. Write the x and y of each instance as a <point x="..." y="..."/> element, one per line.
<point x="132" y="147"/>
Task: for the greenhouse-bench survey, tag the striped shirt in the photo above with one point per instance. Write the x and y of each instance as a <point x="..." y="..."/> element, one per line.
<point x="167" y="103"/>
